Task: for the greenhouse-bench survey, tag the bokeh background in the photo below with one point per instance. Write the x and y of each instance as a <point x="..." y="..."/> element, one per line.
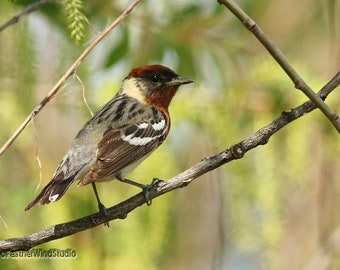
<point x="276" y="208"/>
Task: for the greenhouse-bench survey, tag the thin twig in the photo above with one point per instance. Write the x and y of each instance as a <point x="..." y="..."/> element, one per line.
<point x="29" y="9"/>
<point x="282" y="61"/>
<point x="68" y="73"/>
<point x="121" y="210"/>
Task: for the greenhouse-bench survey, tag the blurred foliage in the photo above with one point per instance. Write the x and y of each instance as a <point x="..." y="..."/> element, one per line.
<point x="76" y="18"/>
<point x="276" y="208"/>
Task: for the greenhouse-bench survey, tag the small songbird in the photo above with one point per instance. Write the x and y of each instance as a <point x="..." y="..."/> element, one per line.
<point x="120" y="135"/>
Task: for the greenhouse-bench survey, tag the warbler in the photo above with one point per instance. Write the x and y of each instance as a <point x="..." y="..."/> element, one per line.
<point x="120" y="135"/>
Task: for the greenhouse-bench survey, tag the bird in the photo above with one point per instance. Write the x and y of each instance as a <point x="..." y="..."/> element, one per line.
<point x="119" y="136"/>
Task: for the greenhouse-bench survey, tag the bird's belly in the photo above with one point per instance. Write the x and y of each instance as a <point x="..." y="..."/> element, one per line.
<point x="134" y="165"/>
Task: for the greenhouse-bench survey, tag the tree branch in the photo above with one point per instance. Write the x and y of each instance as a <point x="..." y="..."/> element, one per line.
<point x="29" y="9"/>
<point x="121" y="210"/>
<point x="67" y="74"/>
<point x="282" y="61"/>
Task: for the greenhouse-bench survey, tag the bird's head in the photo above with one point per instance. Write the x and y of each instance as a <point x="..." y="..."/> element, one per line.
<point x="153" y="84"/>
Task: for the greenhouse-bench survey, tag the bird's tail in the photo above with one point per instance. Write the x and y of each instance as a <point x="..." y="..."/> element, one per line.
<point x="52" y="192"/>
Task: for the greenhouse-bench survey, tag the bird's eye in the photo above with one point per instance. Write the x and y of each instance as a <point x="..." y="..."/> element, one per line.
<point x="155" y="78"/>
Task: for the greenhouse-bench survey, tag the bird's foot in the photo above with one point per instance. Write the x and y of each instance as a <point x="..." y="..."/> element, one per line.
<point x="147" y="188"/>
<point x="103" y="211"/>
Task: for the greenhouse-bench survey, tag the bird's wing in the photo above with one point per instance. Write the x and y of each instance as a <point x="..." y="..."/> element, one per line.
<point x="125" y="147"/>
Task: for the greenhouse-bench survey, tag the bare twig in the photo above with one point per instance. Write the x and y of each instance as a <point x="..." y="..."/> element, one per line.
<point x="207" y="164"/>
<point x="29" y="9"/>
<point x="282" y="61"/>
<point x="68" y="73"/>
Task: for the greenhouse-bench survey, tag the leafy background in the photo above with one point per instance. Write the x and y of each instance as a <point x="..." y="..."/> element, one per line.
<point x="277" y="208"/>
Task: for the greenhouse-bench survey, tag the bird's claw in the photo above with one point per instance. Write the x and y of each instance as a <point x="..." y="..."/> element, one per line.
<point x="147" y="188"/>
<point x="103" y="211"/>
<point x="156" y="181"/>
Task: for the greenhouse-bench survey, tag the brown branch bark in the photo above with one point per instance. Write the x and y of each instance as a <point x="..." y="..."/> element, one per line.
<point x="282" y="61"/>
<point x="121" y="210"/>
<point x="67" y="74"/>
<point x="26" y="11"/>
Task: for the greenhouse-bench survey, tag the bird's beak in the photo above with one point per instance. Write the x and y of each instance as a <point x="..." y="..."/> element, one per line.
<point x="180" y="80"/>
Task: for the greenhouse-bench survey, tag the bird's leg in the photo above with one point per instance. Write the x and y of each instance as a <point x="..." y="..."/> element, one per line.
<point x="102" y="208"/>
<point x="146" y="188"/>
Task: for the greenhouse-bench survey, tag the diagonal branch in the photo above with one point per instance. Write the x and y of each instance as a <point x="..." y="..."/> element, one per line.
<point x="29" y="9"/>
<point x="282" y="61"/>
<point x="67" y="74"/>
<point x="121" y="210"/>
